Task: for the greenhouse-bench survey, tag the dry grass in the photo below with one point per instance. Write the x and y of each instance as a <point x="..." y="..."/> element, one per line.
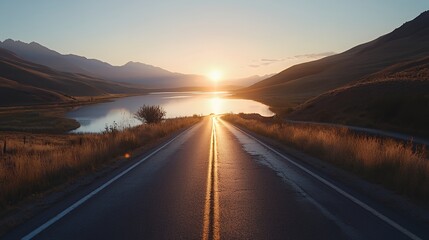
<point x="398" y="166"/>
<point x="45" y="161"/>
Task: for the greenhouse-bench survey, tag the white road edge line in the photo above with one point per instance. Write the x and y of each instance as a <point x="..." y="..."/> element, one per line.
<point x="340" y="191"/>
<point x="84" y="199"/>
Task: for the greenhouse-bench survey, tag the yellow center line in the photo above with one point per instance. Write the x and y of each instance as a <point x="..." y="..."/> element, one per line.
<point x="216" y="224"/>
<point x="211" y="227"/>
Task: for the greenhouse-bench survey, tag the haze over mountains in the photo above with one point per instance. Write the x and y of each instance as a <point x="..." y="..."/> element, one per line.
<point x="133" y="72"/>
<point x="33" y="74"/>
<point x="245" y="82"/>
<point x="136" y="73"/>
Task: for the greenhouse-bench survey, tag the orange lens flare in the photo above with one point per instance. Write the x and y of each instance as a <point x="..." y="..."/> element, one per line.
<point x="127" y="155"/>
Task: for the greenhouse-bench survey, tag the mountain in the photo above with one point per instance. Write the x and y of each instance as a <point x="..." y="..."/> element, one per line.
<point x="24" y="83"/>
<point x="133" y="72"/>
<point x="395" y="98"/>
<point x="307" y="80"/>
<point x="34" y="52"/>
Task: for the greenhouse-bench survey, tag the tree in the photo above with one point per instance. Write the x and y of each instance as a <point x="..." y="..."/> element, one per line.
<point x="150" y="114"/>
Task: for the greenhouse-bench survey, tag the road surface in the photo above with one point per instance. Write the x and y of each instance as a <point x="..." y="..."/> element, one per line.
<point x="214" y="181"/>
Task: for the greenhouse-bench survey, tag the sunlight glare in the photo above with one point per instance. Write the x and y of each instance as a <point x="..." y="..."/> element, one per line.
<point x="215" y="75"/>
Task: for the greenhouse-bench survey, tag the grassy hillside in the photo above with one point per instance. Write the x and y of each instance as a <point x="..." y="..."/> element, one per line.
<point x="13" y="93"/>
<point x="396" y="98"/>
<point x="304" y="81"/>
<point x="23" y="83"/>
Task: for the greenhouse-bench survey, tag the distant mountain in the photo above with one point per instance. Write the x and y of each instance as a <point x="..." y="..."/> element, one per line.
<point x="23" y="82"/>
<point x="247" y="81"/>
<point x="39" y="54"/>
<point x="307" y="80"/>
<point x="133" y="72"/>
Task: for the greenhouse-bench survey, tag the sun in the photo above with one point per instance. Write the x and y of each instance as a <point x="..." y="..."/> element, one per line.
<point x="215" y="75"/>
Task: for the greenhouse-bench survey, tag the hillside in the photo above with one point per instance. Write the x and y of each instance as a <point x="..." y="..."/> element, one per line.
<point x="395" y="98"/>
<point x="23" y="83"/>
<point x="133" y="72"/>
<point x="305" y="81"/>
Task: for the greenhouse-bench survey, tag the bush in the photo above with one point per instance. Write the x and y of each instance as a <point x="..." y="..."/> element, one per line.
<point x="150" y="114"/>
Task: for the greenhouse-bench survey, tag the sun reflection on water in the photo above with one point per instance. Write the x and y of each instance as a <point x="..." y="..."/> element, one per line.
<point x="95" y="118"/>
<point x="216" y="105"/>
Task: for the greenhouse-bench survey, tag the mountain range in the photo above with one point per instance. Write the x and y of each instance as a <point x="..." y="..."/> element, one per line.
<point x="34" y="74"/>
<point x="136" y="73"/>
<point x="28" y="83"/>
<point x="133" y="72"/>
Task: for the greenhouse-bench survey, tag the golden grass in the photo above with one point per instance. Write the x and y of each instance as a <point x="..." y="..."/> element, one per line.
<point x="398" y="166"/>
<point x="46" y="161"/>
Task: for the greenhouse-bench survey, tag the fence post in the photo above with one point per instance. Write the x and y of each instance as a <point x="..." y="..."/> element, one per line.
<point x="4" y="147"/>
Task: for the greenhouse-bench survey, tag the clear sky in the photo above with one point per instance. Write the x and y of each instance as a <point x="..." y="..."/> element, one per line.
<point x="238" y="37"/>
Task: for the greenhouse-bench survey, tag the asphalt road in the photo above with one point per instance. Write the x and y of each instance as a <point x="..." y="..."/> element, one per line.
<point x="214" y="181"/>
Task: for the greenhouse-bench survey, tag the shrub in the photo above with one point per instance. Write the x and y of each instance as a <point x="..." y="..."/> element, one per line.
<point x="150" y="114"/>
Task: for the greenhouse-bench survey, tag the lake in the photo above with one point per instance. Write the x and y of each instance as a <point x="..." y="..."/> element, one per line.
<point x="94" y="118"/>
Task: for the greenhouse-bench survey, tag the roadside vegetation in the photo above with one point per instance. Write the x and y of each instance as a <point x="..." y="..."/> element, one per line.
<point x="34" y="163"/>
<point x="150" y="114"/>
<point x="37" y="120"/>
<point x="401" y="167"/>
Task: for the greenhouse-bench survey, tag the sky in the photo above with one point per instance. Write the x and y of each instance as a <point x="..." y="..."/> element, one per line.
<point x="239" y="38"/>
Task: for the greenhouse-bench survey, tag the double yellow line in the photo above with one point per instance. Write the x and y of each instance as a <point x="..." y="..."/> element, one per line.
<point x="211" y="228"/>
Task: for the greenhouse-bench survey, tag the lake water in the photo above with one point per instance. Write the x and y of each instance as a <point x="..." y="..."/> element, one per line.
<point x="94" y="118"/>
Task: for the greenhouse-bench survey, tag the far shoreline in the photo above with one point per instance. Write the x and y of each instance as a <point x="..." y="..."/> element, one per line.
<point x="49" y="118"/>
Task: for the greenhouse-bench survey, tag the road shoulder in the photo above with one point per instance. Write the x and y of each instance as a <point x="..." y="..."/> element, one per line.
<point x="389" y="199"/>
<point x="67" y="193"/>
